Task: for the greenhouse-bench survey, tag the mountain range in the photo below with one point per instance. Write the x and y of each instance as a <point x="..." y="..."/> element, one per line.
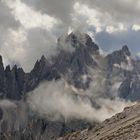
<point x="81" y="64"/>
<point x="74" y="66"/>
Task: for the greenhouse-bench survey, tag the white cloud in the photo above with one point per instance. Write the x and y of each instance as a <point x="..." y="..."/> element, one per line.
<point x="28" y="17"/>
<point x="136" y="27"/>
<point x="138" y="55"/>
<point x="90" y="16"/>
<point x="97" y="19"/>
<point x="33" y="37"/>
<point x="112" y="29"/>
<point x="12" y="47"/>
<point x="110" y="16"/>
<point x="60" y="9"/>
<point x="25" y="47"/>
<point x="30" y="27"/>
<point x="54" y="104"/>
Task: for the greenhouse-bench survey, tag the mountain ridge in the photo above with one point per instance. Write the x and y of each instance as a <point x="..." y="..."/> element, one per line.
<point x="75" y="64"/>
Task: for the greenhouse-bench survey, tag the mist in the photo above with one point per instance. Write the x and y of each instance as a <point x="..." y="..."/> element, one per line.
<point x="13" y="115"/>
<point x="56" y="100"/>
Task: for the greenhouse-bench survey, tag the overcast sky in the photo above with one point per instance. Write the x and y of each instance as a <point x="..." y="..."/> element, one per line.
<point x="30" y="28"/>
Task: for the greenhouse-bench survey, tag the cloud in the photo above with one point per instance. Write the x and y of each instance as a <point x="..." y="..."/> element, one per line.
<point x="26" y="34"/>
<point x="60" y="9"/>
<point x="28" y="17"/>
<point x="125" y="12"/>
<point x="6" y="21"/>
<point x="6" y="18"/>
<point x="108" y="15"/>
<point x="15" y="114"/>
<point x="30" y="28"/>
<point x="56" y="104"/>
<point x="34" y="36"/>
<point x="23" y="47"/>
<point x="7" y="104"/>
<point x="136" y="27"/>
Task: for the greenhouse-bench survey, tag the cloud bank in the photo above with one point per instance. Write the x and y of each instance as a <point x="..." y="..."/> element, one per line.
<point x="64" y="103"/>
<point x="30" y="28"/>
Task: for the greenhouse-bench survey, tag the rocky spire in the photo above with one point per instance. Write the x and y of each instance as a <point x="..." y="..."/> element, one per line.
<point x="125" y="50"/>
<point x="1" y="65"/>
<point x="119" y="57"/>
<point x="1" y="76"/>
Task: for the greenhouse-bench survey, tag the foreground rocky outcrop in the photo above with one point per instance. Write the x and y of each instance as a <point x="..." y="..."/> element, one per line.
<point x="122" y="126"/>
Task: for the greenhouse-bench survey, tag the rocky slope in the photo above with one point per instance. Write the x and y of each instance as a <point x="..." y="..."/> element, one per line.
<point x="122" y="126"/>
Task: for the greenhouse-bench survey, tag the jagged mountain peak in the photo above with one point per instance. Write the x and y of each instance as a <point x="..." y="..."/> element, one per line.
<point x="83" y="38"/>
<point x="14" y="68"/>
<point x="78" y="40"/>
<point x="125" y="50"/>
<point x="43" y="58"/>
<point x="43" y="62"/>
<point x="1" y="64"/>
<point x="7" y="69"/>
<point x="1" y="59"/>
<point x="120" y="58"/>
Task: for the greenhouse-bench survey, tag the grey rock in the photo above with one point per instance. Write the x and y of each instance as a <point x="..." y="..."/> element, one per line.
<point x="124" y="126"/>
